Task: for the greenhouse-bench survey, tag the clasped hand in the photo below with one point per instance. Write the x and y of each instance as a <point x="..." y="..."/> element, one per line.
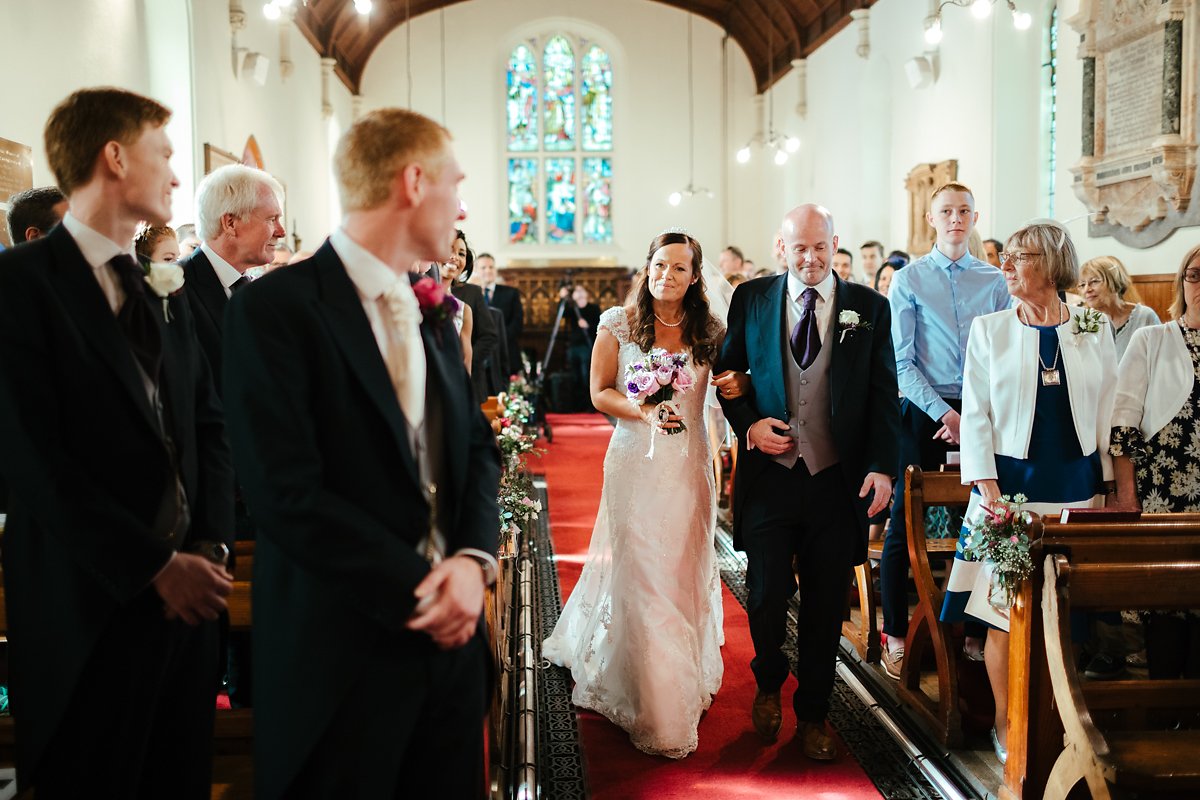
<point x="449" y="602"/>
<point x="193" y="588"/>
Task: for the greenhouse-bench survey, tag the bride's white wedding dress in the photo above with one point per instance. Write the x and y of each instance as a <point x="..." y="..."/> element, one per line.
<point x="642" y="630"/>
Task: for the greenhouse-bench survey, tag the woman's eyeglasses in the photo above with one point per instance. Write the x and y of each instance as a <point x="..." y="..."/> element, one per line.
<point x="1191" y="275"/>
<point x="1090" y="283"/>
<point x="1018" y="258"/>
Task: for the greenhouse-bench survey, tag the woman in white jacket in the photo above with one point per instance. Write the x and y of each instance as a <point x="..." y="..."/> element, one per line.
<point x="1038" y="387"/>
<point x="1156" y="447"/>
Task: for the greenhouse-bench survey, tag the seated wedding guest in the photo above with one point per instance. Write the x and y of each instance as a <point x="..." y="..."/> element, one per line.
<point x="1155" y="457"/>
<point x="156" y="244"/>
<point x="120" y="488"/>
<point x="992" y="248"/>
<point x="464" y="316"/>
<point x="484" y="336"/>
<point x="373" y="478"/>
<point x="1038" y="389"/>
<point x="1104" y="285"/>
<point x="33" y="212"/>
<point x="188" y="240"/>
<point x="898" y="257"/>
<point x="732" y="261"/>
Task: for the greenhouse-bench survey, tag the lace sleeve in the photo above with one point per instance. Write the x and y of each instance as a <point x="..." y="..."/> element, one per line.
<point x="616" y="322"/>
<point x="1127" y="441"/>
<point x="716" y="331"/>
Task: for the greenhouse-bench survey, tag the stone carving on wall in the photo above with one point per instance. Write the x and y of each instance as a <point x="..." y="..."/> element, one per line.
<point x="1137" y="173"/>
<point x="921" y="182"/>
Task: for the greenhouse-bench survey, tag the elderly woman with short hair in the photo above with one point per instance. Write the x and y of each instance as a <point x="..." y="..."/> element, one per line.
<point x="1103" y="285"/>
<point x="1038" y="388"/>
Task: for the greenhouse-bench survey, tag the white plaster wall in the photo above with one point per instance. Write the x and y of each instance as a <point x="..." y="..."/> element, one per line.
<point x="178" y="51"/>
<point x="648" y="44"/>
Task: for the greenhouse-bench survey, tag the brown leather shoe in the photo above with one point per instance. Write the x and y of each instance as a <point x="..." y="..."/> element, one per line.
<point x="818" y="745"/>
<point x="766" y="715"/>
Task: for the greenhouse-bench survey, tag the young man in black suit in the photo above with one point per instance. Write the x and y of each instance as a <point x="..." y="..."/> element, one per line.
<point x="818" y="435"/>
<point x="372" y="477"/>
<point x="112" y="442"/>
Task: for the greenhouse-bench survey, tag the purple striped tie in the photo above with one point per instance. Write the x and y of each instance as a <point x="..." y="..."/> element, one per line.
<point x="806" y="339"/>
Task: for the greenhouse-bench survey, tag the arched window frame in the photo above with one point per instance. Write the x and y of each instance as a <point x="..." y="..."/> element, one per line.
<point x="588" y="195"/>
<point x="1050" y="97"/>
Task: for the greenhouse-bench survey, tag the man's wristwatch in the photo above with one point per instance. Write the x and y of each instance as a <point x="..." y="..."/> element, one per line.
<point x="489" y="569"/>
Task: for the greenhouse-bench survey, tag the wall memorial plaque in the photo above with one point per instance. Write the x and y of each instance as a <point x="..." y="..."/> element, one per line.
<point x="1137" y="173"/>
<point x="16" y="175"/>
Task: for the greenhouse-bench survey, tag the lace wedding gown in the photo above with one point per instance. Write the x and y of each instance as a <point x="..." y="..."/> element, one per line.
<point x="642" y="630"/>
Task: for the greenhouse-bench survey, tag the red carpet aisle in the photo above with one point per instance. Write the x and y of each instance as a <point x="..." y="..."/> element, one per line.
<point x="731" y="761"/>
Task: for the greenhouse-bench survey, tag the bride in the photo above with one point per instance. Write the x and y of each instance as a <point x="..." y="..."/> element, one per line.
<point x="642" y="630"/>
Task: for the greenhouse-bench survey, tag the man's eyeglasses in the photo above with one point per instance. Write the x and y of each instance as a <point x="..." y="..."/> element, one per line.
<point x="1018" y="258"/>
<point x="1090" y="283"/>
<point x="1191" y="275"/>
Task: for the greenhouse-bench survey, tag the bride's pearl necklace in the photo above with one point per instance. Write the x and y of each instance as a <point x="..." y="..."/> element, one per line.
<point x="669" y="324"/>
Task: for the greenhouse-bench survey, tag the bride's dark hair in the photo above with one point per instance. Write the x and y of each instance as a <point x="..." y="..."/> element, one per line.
<point x="697" y="332"/>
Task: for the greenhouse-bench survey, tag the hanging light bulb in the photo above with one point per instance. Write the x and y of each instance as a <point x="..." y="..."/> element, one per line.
<point x="363" y="6"/>
<point x="792" y="144"/>
<point x="781" y="158"/>
<point x="743" y="155"/>
<point x="271" y="11"/>
<point x="981" y="8"/>
<point x="933" y="31"/>
<point x="1022" y="20"/>
<point x="675" y="198"/>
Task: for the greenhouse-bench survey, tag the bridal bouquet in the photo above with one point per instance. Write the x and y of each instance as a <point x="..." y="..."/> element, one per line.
<point x="655" y="379"/>
<point x="1001" y="536"/>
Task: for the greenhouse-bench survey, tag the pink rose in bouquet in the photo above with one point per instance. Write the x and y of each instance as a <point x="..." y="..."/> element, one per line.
<point x="683" y="381"/>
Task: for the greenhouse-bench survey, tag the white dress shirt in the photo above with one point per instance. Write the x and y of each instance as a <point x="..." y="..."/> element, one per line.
<point x="825" y="292"/>
<point x="227" y="274"/>
<point x="97" y="251"/>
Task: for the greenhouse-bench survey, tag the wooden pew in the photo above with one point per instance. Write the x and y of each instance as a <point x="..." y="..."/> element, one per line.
<point x="865" y="635"/>
<point x="1141" y="758"/>
<point x="925" y="631"/>
<point x="1035" y="731"/>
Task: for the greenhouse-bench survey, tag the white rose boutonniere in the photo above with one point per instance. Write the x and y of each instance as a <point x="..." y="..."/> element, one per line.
<point x="166" y="281"/>
<point x="1085" y="324"/>
<point x="849" y="323"/>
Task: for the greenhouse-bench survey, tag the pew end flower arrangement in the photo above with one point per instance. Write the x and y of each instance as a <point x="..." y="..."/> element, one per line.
<point x="1000" y="536"/>
<point x="517" y="439"/>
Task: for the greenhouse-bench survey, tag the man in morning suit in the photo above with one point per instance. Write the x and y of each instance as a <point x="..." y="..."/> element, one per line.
<point x="818" y="435"/>
<point x="508" y="300"/>
<point x="112" y="441"/>
<point x="239" y="211"/>
<point x="372" y="476"/>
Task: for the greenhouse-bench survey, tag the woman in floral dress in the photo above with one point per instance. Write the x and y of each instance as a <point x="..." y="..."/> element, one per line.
<point x="1156" y="447"/>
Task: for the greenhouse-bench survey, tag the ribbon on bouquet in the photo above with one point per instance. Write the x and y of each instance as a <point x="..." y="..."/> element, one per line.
<point x="663" y="412"/>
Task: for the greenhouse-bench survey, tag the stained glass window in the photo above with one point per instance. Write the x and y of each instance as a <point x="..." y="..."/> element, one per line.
<point x="597" y="200"/>
<point x="595" y="100"/>
<point x="559" y="113"/>
<point x="522" y="200"/>
<point x="558" y="70"/>
<point x="522" y="100"/>
<point x="560" y="200"/>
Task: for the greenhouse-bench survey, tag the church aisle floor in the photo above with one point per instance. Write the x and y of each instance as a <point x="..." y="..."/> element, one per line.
<point x="731" y="761"/>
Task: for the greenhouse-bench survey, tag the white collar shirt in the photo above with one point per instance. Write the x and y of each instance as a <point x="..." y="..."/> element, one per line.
<point x="825" y="293"/>
<point x="97" y="251"/>
<point x="227" y="274"/>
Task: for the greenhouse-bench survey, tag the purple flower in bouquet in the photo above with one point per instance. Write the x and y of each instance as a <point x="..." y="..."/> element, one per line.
<point x="664" y="374"/>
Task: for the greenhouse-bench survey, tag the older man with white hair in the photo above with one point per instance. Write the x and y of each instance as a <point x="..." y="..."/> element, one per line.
<point x="239" y="213"/>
